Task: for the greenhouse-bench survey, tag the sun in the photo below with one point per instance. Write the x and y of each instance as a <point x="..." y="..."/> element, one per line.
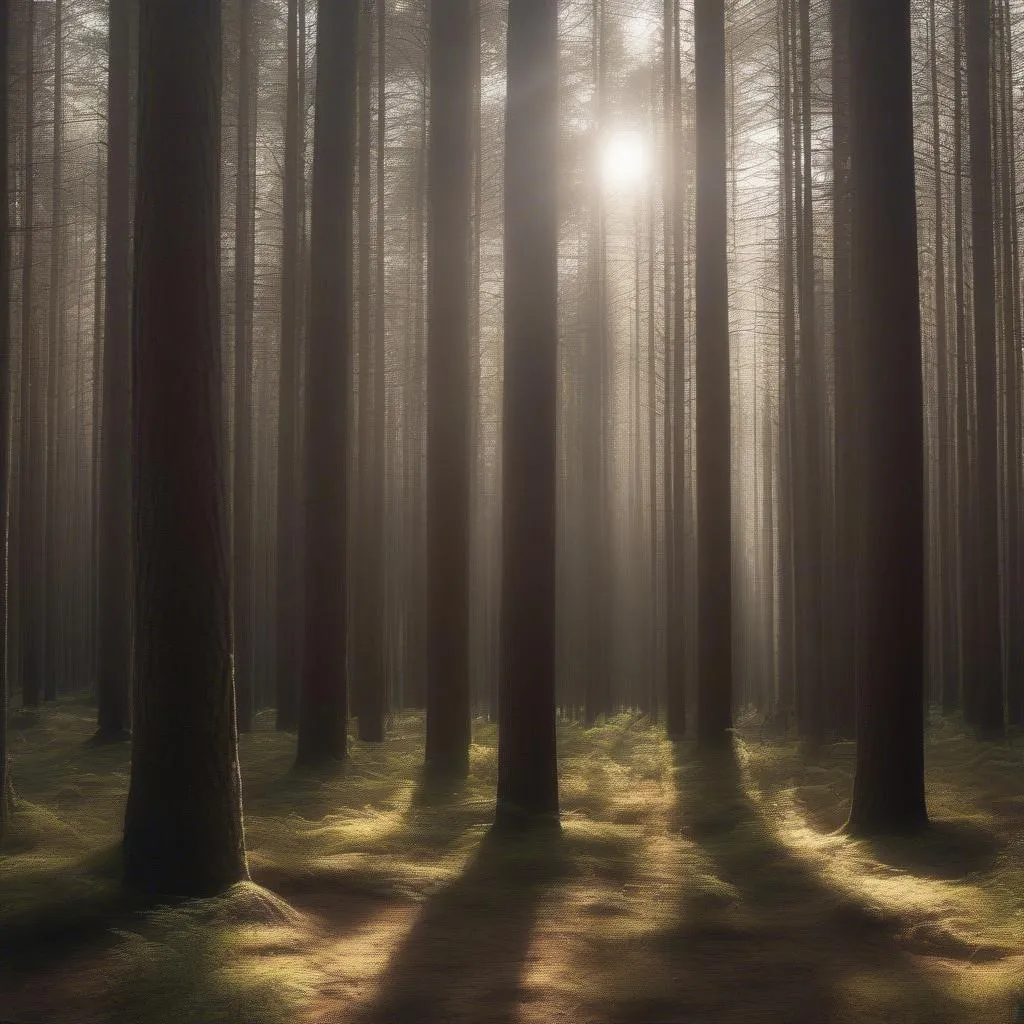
<point x="625" y="162"/>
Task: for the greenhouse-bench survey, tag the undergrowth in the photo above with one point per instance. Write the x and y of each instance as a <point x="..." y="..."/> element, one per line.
<point x="682" y="887"/>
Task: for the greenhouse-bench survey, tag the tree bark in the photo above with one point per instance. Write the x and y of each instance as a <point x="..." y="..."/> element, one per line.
<point x="183" y="823"/>
<point x="322" y="706"/>
<point x="32" y="604"/>
<point x="114" y="668"/>
<point x="987" y="679"/>
<point x="450" y="226"/>
<point x="888" y="790"/>
<point x="289" y="575"/>
<point x="527" y="759"/>
<point x="6" y="778"/>
<point x="714" y="499"/>
<point x="242" y="532"/>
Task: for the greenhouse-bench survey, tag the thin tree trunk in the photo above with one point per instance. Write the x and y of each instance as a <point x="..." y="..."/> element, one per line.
<point x="844" y="663"/>
<point x="988" y="679"/>
<point x="6" y="778"/>
<point x="714" y="499"/>
<point x="451" y="192"/>
<point x="323" y="703"/>
<point x="32" y="608"/>
<point x="242" y="556"/>
<point x="947" y="563"/>
<point x="289" y="575"/>
<point x="114" y="657"/>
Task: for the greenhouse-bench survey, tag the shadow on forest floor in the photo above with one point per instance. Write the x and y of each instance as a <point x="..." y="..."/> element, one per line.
<point x="685" y="886"/>
<point x="469" y="942"/>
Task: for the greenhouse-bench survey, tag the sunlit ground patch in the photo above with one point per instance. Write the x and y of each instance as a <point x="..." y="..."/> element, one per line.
<point x="681" y="887"/>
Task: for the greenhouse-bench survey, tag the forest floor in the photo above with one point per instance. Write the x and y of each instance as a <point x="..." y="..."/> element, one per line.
<point x="683" y="888"/>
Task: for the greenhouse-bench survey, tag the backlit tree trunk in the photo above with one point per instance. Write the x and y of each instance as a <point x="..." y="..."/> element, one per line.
<point x="714" y="500"/>
<point x="527" y="760"/>
<point x="114" y="669"/>
<point x="322" y="705"/>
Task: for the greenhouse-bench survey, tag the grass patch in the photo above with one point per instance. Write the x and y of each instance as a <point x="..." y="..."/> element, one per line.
<point x="681" y="887"/>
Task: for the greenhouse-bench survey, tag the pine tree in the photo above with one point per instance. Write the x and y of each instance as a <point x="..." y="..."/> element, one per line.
<point x="113" y="669"/>
<point x="450" y="223"/>
<point x="324" y="692"/>
<point x="888" y="790"/>
<point x="183" y="823"/>
<point x="714" y="558"/>
<point x="527" y="758"/>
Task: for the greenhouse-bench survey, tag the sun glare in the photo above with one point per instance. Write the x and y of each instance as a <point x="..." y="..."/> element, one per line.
<point x="640" y="34"/>
<point x="624" y="161"/>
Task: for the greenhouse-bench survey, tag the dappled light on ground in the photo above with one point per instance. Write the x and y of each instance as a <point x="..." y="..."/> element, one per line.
<point x="684" y="886"/>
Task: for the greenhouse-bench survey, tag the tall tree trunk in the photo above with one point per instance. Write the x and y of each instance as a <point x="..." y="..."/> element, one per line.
<point x="96" y="440"/>
<point x="844" y="663"/>
<point x="714" y="499"/>
<point x="289" y="572"/>
<point x="888" y="790"/>
<point x="363" y="617"/>
<point x="810" y="628"/>
<point x="788" y="675"/>
<point x="183" y="823"/>
<point x="53" y="571"/>
<point x="947" y="562"/>
<point x="114" y="657"/>
<point x="377" y="696"/>
<point x="242" y="513"/>
<point x="985" y="569"/>
<point x="675" y="696"/>
<point x="1010" y="364"/>
<point x="6" y="779"/>
<point x="527" y="757"/>
<point x="32" y="610"/>
<point x="450" y="225"/>
<point x="679" y="649"/>
<point x="967" y="606"/>
<point x="323" y="709"/>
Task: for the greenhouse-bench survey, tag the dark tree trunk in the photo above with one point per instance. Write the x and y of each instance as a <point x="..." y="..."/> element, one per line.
<point x="183" y="823"/>
<point x="450" y="226"/>
<point x="947" y="558"/>
<point x="376" y="696"/>
<point x="788" y="674"/>
<point x="888" y="790"/>
<point x="678" y="658"/>
<point x="368" y="643"/>
<point x="986" y="680"/>
<point x="32" y="604"/>
<point x="1010" y="366"/>
<point x="6" y="782"/>
<point x="810" y="575"/>
<point x="844" y="671"/>
<point x="114" y="669"/>
<point x="289" y="576"/>
<point x="714" y="557"/>
<point x="966" y="605"/>
<point x="322" y="706"/>
<point x="527" y="759"/>
<point x="675" y="697"/>
<point x="242" y="533"/>
<point x="52" y="571"/>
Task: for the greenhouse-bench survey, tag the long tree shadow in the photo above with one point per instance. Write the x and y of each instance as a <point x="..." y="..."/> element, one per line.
<point x="777" y="935"/>
<point x="465" y="955"/>
<point x="82" y="907"/>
